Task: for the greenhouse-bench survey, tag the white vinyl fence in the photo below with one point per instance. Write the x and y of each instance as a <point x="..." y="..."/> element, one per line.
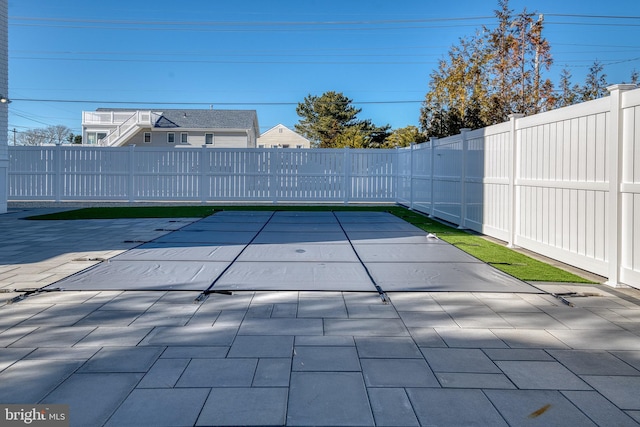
<point x="68" y="173"/>
<point x="565" y="183"/>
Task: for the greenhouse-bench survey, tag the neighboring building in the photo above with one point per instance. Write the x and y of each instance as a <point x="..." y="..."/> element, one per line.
<point x="168" y="127"/>
<point x="281" y="136"/>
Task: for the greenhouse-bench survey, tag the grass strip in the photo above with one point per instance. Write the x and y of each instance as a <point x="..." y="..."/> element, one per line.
<point x="511" y="262"/>
<point x="196" y="211"/>
<point x="130" y="212"/>
<point x="499" y="256"/>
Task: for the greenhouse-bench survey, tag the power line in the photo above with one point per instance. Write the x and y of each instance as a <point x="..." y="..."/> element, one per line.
<point x="224" y="61"/>
<point x="283" y="62"/>
<point x="29" y="118"/>
<point x="591" y="24"/>
<point x="573" y="15"/>
<point x="240" y="29"/>
<point x="208" y="103"/>
<point x="294" y="23"/>
<point x="246" y="23"/>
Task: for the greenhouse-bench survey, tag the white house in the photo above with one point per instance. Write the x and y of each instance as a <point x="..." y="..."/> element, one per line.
<point x="281" y="136"/>
<point x="170" y="127"/>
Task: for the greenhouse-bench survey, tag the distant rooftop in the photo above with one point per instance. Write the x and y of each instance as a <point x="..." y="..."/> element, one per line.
<point x="201" y="118"/>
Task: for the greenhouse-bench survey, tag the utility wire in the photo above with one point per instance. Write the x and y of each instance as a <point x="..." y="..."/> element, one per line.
<point x="247" y="23"/>
<point x="85" y="101"/>
<point x="296" y="23"/>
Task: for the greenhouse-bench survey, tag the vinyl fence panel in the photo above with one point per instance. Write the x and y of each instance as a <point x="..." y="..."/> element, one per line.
<point x="65" y="173"/>
<point x="630" y="190"/>
<point x="562" y="184"/>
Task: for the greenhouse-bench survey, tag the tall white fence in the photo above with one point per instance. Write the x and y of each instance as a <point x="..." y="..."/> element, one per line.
<point x="68" y="173"/>
<point x="565" y="183"/>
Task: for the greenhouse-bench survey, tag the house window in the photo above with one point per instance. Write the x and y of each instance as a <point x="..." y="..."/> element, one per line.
<point x="147" y="137"/>
<point x="260" y="145"/>
<point x="298" y="146"/>
<point x="184" y="138"/>
<point x="208" y="138"/>
<point x="279" y="130"/>
<point x="285" y="145"/>
<point x="171" y="138"/>
<point x="95" y="137"/>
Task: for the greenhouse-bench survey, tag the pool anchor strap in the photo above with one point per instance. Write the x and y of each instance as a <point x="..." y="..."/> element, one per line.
<point x="27" y="292"/>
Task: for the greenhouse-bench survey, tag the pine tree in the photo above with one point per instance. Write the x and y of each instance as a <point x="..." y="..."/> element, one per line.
<point x="569" y="92"/>
<point x="331" y="121"/>
<point x="595" y="84"/>
<point x="323" y="118"/>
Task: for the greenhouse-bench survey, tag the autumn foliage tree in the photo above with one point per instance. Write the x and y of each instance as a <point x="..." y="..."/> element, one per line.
<point x="490" y="75"/>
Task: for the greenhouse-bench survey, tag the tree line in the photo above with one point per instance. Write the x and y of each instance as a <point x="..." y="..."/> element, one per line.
<point x="481" y="81"/>
<point x="331" y="121"/>
<point x="54" y="134"/>
<point x="499" y="71"/>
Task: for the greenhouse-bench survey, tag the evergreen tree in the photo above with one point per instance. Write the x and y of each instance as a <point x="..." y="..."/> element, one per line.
<point x="331" y="121"/>
<point x="405" y="136"/>
<point x="569" y="92"/>
<point x="323" y="118"/>
<point x="595" y="84"/>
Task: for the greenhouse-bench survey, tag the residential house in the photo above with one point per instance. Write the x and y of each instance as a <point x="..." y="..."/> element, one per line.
<point x="170" y="128"/>
<point x="281" y="136"/>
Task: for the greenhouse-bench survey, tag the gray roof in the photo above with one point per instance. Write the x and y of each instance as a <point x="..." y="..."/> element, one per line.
<point x="202" y="119"/>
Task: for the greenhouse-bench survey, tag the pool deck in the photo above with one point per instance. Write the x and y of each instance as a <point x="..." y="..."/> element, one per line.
<point x="297" y="357"/>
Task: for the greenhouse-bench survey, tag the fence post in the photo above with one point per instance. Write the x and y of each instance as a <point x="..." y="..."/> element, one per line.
<point x="513" y="207"/>
<point x="273" y="188"/>
<point x="411" y="175"/>
<point x="202" y="185"/>
<point x="347" y="175"/>
<point x="131" y="171"/>
<point x="4" y="177"/>
<point x="58" y="173"/>
<point x="433" y="140"/>
<point x="396" y="173"/>
<point x="463" y="179"/>
<point x="614" y="197"/>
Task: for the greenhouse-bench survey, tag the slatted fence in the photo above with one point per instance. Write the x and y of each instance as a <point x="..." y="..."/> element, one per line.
<point x="76" y="173"/>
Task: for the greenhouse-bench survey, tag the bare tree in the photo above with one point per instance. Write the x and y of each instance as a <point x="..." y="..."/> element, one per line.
<point x="55" y="134"/>
<point x="32" y="137"/>
<point x="58" y="134"/>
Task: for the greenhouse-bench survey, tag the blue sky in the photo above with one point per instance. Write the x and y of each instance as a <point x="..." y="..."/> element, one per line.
<point x="269" y="55"/>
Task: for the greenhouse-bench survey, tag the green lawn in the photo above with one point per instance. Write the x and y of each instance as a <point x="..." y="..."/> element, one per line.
<point x="131" y="212"/>
<point x="512" y="262"/>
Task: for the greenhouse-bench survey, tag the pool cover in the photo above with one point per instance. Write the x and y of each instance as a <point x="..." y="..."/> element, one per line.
<point x="296" y="251"/>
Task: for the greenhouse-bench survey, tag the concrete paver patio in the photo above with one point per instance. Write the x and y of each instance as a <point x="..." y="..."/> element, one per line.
<point x="127" y="357"/>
